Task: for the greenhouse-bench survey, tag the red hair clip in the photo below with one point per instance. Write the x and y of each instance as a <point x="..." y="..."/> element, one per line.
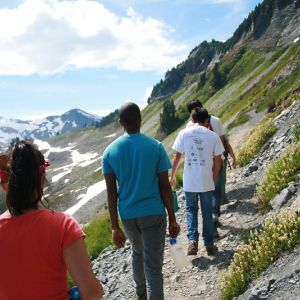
<point x="44" y="166"/>
<point x="3" y="175"/>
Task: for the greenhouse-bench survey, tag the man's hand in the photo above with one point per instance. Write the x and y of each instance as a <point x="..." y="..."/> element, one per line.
<point x="174" y="229"/>
<point x="118" y="237"/>
<point x="173" y="180"/>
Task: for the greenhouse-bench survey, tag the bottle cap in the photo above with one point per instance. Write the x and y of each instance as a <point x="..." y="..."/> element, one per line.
<point x="173" y="241"/>
<point x="74" y="293"/>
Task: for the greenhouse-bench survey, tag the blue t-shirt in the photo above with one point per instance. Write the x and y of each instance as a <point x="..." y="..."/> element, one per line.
<point x="136" y="160"/>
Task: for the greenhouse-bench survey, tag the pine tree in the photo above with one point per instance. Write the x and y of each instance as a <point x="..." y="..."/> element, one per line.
<point x="168" y="119"/>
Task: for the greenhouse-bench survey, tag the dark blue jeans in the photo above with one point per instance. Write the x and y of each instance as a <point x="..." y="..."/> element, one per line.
<point x="192" y="207"/>
<point x="147" y="238"/>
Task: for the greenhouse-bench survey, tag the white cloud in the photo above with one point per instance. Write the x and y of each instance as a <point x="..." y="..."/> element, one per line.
<point x="148" y="93"/>
<point x="50" y="36"/>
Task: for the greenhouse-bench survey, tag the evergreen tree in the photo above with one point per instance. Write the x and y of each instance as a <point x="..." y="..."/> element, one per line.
<point x="218" y="79"/>
<point x="202" y="80"/>
<point x="168" y="118"/>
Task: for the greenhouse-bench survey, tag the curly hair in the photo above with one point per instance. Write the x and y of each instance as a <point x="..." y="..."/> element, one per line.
<point x="25" y="187"/>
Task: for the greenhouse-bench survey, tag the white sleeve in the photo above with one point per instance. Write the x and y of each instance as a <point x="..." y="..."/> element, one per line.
<point x="217" y="126"/>
<point x="178" y="145"/>
<point x="218" y="149"/>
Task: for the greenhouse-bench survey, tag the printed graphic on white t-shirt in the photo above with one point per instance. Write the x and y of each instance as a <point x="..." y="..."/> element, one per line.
<point x="199" y="145"/>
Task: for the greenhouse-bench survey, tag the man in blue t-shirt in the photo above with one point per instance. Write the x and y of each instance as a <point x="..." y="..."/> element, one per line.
<point x="135" y="169"/>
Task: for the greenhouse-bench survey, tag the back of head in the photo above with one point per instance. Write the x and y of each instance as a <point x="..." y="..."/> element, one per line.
<point x="130" y="116"/>
<point x="25" y="188"/>
<point x="200" y="115"/>
<point x="192" y="104"/>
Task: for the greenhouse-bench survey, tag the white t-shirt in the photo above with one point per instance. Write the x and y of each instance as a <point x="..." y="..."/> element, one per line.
<point x="216" y="125"/>
<point x="199" y="145"/>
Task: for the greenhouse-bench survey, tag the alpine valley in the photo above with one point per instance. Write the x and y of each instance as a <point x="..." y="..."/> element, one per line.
<point x="252" y="83"/>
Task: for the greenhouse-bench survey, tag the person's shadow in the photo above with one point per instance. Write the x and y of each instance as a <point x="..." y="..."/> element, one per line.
<point x="221" y="260"/>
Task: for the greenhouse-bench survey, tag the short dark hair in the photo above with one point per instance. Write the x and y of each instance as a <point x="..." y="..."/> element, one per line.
<point x="25" y="187"/>
<point x="192" y="104"/>
<point x="200" y="114"/>
<point x="130" y="115"/>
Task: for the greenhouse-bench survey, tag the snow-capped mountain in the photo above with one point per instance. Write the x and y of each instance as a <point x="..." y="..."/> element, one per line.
<point x="44" y="128"/>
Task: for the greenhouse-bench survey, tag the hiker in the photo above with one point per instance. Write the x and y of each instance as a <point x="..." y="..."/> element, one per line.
<point x="135" y="169"/>
<point x="38" y="245"/>
<point x="219" y="198"/>
<point x="202" y="149"/>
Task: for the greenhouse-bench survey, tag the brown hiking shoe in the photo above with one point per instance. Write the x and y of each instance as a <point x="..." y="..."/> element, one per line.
<point x="192" y="248"/>
<point x="211" y="250"/>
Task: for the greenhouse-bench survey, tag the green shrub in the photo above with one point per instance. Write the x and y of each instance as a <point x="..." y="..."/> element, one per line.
<point x="296" y="132"/>
<point x="98" y="237"/>
<point x="280" y="233"/>
<point x="278" y="174"/>
<point x="256" y="139"/>
<point x="241" y="119"/>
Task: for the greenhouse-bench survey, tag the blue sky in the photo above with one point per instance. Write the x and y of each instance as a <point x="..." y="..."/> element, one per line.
<point x="56" y="55"/>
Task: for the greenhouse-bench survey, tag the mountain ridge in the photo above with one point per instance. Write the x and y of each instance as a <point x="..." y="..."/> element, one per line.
<point x="44" y="128"/>
<point x="270" y="25"/>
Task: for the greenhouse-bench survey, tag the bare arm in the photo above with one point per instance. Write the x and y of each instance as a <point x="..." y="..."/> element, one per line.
<point x="79" y="265"/>
<point x="112" y="201"/>
<point x="167" y="198"/>
<point x="231" y="153"/>
<point x="223" y="140"/>
<point x="216" y="166"/>
<point x="176" y="160"/>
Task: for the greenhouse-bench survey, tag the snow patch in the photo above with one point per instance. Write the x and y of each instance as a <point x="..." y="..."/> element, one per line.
<point x="92" y="191"/>
<point x="296" y="40"/>
<point x="80" y="158"/>
<point x="111" y="135"/>
<point x="57" y="177"/>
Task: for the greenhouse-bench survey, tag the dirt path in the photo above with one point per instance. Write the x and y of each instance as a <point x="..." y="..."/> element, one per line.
<point x="201" y="280"/>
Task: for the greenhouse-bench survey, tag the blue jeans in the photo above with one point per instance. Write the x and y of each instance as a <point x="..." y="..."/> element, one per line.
<point x="147" y="238"/>
<point x="219" y="193"/>
<point x="192" y="200"/>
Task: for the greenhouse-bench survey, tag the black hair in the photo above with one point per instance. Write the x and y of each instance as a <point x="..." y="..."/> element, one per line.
<point x="192" y="104"/>
<point x="130" y="116"/>
<point x="200" y="115"/>
<point x="25" y="187"/>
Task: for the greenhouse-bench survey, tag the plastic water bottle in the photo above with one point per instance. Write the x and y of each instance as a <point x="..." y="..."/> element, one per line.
<point x="74" y="293"/>
<point x="177" y="254"/>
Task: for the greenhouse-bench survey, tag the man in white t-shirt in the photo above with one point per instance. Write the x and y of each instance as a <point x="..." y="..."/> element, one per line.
<point x="202" y="148"/>
<point x="219" y="193"/>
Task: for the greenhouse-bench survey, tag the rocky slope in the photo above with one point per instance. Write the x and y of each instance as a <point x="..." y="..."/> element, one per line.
<point x="271" y="25"/>
<point x="202" y="278"/>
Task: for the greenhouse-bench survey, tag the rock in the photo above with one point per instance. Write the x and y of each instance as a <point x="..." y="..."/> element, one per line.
<point x="281" y="199"/>
<point x="253" y="168"/>
<point x="292" y="188"/>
